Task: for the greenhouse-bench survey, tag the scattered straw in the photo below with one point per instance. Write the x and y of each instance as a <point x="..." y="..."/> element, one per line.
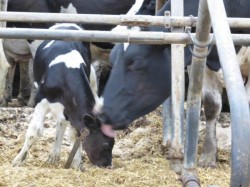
<point x="138" y="158"/>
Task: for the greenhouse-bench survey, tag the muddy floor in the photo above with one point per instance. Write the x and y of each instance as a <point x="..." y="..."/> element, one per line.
<point x="139" y="157"/>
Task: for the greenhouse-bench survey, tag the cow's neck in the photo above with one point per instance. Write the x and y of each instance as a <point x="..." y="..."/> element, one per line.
<point x="79" y="101"/>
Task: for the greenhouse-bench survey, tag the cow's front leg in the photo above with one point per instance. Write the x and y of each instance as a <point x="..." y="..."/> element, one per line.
<point x="35" y="130"/>
<point x="212" y="90"/>
<point x="77" y="162"/>
<point x="55" y="153"/>
<point x="8" y="83"/>
<point x="25" y="86"/>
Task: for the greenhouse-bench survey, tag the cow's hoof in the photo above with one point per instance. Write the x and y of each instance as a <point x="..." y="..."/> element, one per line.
<point x="176" y="165"/>
<point x="19" y="159"/>
<point x="17" y="162"/>
<point x="22" y="102"/>
<point x="3" y="103"/>
<point x="77" y="164"/>
<point x="31" y="103"/>
<point x="53" y="159"/>
<point x="207" y="161"/>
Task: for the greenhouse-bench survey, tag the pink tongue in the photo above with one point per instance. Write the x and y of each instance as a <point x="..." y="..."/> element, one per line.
<point x="107" y="130"/>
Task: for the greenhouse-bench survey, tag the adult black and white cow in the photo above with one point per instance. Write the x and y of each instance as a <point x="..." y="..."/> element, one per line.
<point x="67" y="88"/>
<point x="140" y="80"/>
<point x="22" y="51"/>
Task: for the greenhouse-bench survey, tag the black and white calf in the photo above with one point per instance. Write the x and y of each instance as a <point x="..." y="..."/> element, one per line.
<point x="67" y="88"/>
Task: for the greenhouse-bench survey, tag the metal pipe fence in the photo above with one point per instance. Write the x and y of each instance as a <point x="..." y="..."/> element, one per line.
<point x="239" y="107"/>
<point x="129" y="20"/>
<point x="142" y="37"/>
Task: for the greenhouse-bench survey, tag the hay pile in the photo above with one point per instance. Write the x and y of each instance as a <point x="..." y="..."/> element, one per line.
<point x="138" y="157"/>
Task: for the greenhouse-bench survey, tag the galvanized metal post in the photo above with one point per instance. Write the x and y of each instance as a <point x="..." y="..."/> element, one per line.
<point x="167" y="123"/>
<point x="177" y="95"/>
<point x="240" y="157"/>
<point x="194" y="96"/>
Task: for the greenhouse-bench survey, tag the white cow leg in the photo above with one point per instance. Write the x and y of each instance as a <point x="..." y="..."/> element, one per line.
<point x="54" y="157"/>
<point x="212" y="90"/>
<point x="34" y="131"/>
<point x="77" y="162"/>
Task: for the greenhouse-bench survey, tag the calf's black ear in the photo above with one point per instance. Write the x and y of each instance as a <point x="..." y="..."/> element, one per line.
<point x="91" y="122"/>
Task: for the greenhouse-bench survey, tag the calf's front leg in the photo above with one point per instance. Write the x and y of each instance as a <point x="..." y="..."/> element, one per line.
<point x="54" y="157"/>
<point x="35" y="130"/>
<point x="77" y="162"/>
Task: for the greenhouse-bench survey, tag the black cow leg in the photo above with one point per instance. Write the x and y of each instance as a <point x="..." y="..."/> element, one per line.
<point x="24" y="90"/>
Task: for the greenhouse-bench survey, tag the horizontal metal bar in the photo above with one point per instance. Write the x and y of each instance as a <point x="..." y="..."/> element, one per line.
<point x="130" y="20"/>
<point x="141" y="37"/>
<point x="192" y="21"/>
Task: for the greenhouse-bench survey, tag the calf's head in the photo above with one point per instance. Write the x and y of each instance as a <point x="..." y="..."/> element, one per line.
<point x="138" y="83"/>
<point x="99" y="143"/>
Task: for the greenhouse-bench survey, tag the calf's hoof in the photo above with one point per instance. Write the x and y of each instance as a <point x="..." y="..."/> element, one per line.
<point x="53" y="159"/>
<point x="77" y="164"/>
<point x="207" y="161"/>
<point x="18" y="161"/>
<point x="3" y="103"/>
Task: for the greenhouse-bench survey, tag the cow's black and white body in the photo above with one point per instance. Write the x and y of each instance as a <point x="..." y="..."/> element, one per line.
<point x="22" y="51"/>
<point x="140" y="80"/>
<point x="67" y="88"/>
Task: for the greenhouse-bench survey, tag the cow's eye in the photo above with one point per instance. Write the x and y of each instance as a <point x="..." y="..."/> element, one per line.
<point x="137" y="64"/>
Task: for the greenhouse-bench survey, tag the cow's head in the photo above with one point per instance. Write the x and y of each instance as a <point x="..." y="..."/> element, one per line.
<point x="99" y="143"/>
<point x="138" y="83"/>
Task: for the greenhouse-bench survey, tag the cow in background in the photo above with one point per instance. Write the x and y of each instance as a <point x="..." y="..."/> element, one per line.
<point x="67" y="88"/>
<point x="22" y="51"/>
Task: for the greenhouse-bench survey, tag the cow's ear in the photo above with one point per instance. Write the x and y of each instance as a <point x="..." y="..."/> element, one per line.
<point x="90" y="122"/>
